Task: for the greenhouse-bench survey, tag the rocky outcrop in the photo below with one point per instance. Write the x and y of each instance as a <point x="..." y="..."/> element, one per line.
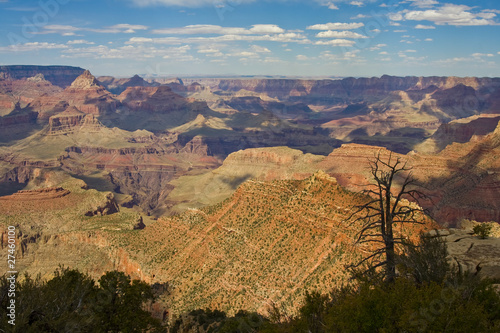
<point x="257" y="105"/>
<point x="85" y="94"/>
<point x="107" y="207"/>
<point x="39" y="78"/>
<point x="72" y="120"/>
<point x="66" y="121"/>
<point x="86" y="81"/>
<point x="18" y="117"/>
<point x="38" y="194"/>
<point x="460" y="182"/>
<point x="117" y="86"/>
<point x="460" y="131"/>
<point x="153" y="99"/>
<point x="22" y="93"/>
<point x="469" y="253"/>
<point x="142" y="172"/>
<point x="61" y="76"/>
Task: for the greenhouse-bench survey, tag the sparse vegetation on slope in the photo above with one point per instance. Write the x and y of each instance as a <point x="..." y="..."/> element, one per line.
<point x="268" y="242"/>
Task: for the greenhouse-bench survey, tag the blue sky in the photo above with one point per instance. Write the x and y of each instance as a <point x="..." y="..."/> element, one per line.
<point x="255" y="37"/>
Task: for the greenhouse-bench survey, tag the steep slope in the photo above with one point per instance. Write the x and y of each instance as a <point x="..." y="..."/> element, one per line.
<point x="270" y="241"/>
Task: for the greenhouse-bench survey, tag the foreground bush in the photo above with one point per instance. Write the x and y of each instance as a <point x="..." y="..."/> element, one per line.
<point x="73" y="302"/>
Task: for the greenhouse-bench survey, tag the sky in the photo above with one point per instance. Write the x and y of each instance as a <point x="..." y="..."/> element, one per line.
<point x="313" y="38"/>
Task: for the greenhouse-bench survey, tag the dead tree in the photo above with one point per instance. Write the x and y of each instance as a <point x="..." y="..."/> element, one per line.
<point x="386" y="207"/>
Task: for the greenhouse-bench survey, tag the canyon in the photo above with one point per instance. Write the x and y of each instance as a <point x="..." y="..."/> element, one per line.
<point x="207" y="183"/>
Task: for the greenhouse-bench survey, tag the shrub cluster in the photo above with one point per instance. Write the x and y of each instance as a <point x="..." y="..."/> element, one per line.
<point x="73" y="302"/>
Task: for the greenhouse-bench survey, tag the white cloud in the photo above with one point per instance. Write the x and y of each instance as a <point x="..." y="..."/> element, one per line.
<point x="428" y="40"/>
<point x="383" y="53"/>
<point x="377" y="47"/>
<point x="126" y="28"/>
<point x="260" y="49"/>
<point x="289" y="37"/>
<point x="79" y="41"/>
<point x="359" y="16"/>
<point x="335" y="26"/>
<point x="198" y="29"/>
<point x="452" y="60"/>
<point x="330" y="5"/>
<point x="480" y="55"/>
<point x="32" y="47"/>
<point x="452" y="14"/>
<point x="245" y="54"/>
<point x="209" y="50"/>
<point x="395" y="16"/>
<point x="266" y="29"/>
<point x="421" y="26"/>
<point x="68" y="30"/>
<point x="357" y="3"/>
<point x="137" y="40"/>
<point x="64" y="30"/>
<point x="424" y="3"/>
<point x="209" y="29"/>
<point x="136" y="52"/>
<point x="270" y="60"/>
<point x="186" y="3"/>
<point x="351" y="54"/>
<point x="302" y="57"/>
<point x="336" y="42"/>
<point x="339" y="34"/>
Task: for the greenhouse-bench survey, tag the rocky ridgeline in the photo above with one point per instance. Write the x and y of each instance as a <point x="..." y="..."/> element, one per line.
<point x="157" y="99"/>
<point x="117" y="86"/>
<point x="344" y="88"/>
<point x="38" y="194"/>
<point x="61" y="76"/>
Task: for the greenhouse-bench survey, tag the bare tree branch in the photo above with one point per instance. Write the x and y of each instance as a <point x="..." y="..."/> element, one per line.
<point x="384" y="210"/>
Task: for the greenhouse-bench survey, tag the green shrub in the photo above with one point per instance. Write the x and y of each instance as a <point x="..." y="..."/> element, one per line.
<point x="72" y="302"/>
<point x="483" y="230"/>
<point x="426" y="261"/>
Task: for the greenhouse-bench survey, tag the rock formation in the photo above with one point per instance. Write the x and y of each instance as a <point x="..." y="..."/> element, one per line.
<point x="86" y="81"/>
<point x="61" y="76"/>
<point x="117" y="86"/>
